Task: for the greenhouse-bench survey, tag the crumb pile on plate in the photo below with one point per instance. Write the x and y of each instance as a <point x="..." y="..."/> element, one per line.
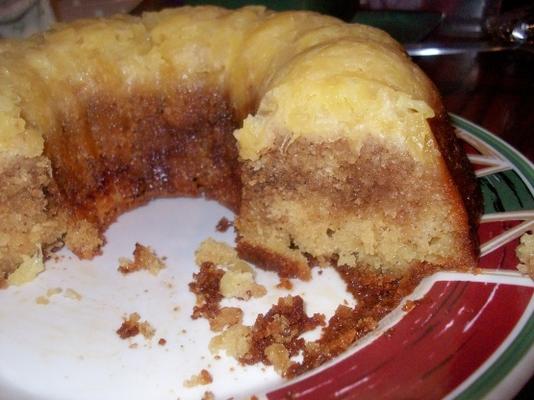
<point x="222" y="274"/>
<point x="275" y="337"/>
<point x="327" y="141"/>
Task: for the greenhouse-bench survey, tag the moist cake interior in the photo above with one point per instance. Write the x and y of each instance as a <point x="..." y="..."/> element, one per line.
<point x="379" y="201"/>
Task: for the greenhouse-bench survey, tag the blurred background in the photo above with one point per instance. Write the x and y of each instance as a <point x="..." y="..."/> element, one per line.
<point x="502" y="22"/>
<point x="465" y="18"/>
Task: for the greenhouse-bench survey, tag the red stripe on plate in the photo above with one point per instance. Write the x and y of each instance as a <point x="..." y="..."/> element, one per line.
<point x="434" y="348"/>
<point x="503" y="257"/>
<point x="470" y="149"/>
<point x="477" y="167"/>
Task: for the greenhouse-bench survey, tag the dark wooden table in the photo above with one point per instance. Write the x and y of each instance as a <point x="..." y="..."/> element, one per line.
<point x="496" y="91"/>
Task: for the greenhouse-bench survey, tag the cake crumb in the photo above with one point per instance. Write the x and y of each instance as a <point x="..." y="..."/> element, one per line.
<point x="208" y="396"/>
<point x="129" y="327"/>
<point x="72" y="294"/>
<point x="146" y="330"/>
<point x="235" y="341"/>
<point x="53" y="292"/>
<point x="162" y="341"/>
<point x="278" y="356"/>
<point x="409" y="305"/>
<point x="144" y="258"/>
<point x="236" y="277"/>
<point x="132" y="327"/>
<point x="133" y="346"/>
<point x="45" y="299"/>
<point x="525" y="254"/>
<point x="212" y="283"/>
<point x="205" y="287"/>
<point x="203" y="378"/>
<point x="282" y="326"/>
<point x="42" y="300"/>
<point x="218" y="253"/>
<point x="227" y="316"/>
<point x="27" y="270"/>
<point x="284" y="283"/>
<point x="223" y="225"/>
<point x="239" y="282"/>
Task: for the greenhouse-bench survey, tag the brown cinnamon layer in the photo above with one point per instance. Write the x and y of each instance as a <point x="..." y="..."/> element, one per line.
<point x="116" y="152"/>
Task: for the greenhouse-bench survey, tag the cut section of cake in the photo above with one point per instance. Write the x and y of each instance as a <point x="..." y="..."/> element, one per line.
<point x="350" y="160"/>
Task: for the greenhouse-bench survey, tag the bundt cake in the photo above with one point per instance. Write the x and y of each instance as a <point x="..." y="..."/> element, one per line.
<point x="326" y="140"/>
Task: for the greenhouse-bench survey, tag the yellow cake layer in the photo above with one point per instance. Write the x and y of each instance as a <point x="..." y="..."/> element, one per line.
<point x="315" y="76"/>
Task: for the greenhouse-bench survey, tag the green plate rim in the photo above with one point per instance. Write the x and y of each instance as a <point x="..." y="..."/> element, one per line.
<point x="518" y="160"/>
<point x="524" y="339"/>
